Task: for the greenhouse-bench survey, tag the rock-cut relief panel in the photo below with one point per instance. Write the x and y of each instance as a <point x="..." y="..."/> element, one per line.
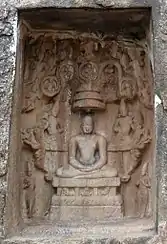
<point x="87" y="128"/>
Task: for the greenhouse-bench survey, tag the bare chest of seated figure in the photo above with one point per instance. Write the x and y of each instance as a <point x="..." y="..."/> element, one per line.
<point x="87" y="154"/>
<point x="87" y="151"/>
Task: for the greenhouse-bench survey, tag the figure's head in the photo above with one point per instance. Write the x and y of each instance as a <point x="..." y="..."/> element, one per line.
<point x="87" y="124"/>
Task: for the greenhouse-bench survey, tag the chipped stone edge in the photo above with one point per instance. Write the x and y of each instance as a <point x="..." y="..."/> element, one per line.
<point x="101" y="4"/>
<point x="17" y="4"/>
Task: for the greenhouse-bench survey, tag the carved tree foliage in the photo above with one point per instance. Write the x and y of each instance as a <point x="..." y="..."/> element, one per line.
<point x="90" y="73"/>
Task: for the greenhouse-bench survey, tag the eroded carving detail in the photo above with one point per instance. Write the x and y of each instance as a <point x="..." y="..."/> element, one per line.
<point x="110" y="82"/>
<point x="144" y="186"/>
<point x="86" y="191"/>
<point x="67" y="192"/>
<point x="103" y="191"/>
<point x="87" y="155"/>
<point x="50" y="86"/>
<point x="29" y="186"/>
<point x="130" y="139"/>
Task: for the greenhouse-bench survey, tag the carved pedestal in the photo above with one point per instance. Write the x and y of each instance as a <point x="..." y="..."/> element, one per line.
<point x="87" y="129"/>
<point x="79" y="199"/>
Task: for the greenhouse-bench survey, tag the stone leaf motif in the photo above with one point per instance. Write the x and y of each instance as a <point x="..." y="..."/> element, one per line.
<point x="86" y="191"/>
<point x="103" y="191"/>
<point x="68" y="191"/>
<point x="88" y="71"/>
<point x="40" y="53"/>
<point x="91" y="72"/>
<point x="66" y="71"/>
<point x="50" y="86"/>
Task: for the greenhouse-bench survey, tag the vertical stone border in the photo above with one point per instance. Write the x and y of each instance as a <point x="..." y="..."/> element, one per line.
<point x="160" y="78"/>
<point x="8" y="43"/>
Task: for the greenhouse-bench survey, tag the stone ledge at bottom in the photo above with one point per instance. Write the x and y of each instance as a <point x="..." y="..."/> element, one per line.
<point x="127" y="231"/>
<point x="76" y="213"/>
<point x="95" y="240"/>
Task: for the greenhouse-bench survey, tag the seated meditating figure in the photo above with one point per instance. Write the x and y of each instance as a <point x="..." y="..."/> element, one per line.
<point x="87" y="155"/>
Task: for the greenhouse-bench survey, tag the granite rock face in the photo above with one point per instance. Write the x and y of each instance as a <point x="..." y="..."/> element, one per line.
<point x="104" y="233"/>
<point x="88" y="241"/>
<point x="8" y="35"/>
<point x="79" y="4"/>
<point x="8" y="42"/>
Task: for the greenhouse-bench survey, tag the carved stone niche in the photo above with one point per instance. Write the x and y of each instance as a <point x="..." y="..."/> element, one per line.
<point x="87" y="126"/>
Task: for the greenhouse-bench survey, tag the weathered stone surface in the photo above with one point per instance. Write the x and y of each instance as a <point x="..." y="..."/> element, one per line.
<point x="115" y="181"/>
<point x="89" y="201"/>
<point x="80" y="4"/>
<point x="111" y="149"/>
<point x="161" y="158"/>
<point x="160" y="73"/>
<point x="139" y="240"/>
<point x="84" y="233"/>
<point x="8" y="34"/>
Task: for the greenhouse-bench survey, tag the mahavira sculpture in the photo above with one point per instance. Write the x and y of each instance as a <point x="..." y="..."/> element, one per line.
<point x="85" y="174"/>
<point x="87" y="154"/>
